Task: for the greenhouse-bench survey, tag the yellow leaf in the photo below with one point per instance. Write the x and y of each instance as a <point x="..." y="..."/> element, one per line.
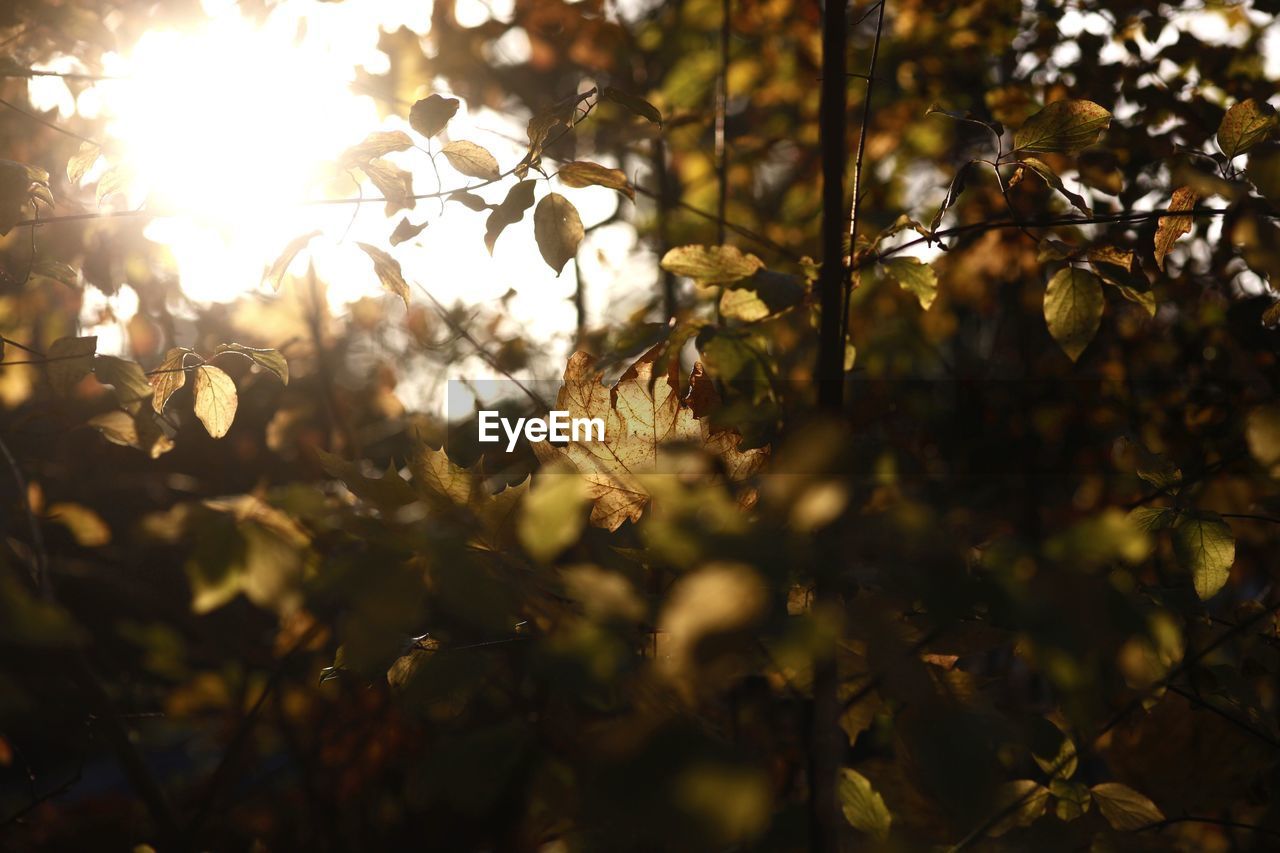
<point x="1073" y="305"/>
<point x="86" y="526"/>
<point x="69" y="360"/>
<point x="169" y="377"/>
<point x="1124" y="808"/>
<point x="471" y="160"/>
<point x="583" y="173"/>
<point x="388" y="271"/>
<point x="711" y="264"/>
<point x="216" y="400"/>
<point x="558" y="230"/>
<point x="1244" y="126"/>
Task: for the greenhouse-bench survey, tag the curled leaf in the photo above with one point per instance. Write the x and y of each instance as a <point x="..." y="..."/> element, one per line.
<point x="519" y="199"/>
<point x="636" y="104"/>
<point x="1051" y="178"/>
<point x="275" y="273"/>
<point x="388" y="271"/>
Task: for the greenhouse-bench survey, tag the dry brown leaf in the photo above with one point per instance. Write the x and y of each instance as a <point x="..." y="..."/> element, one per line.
<point x="1173" y="227"/>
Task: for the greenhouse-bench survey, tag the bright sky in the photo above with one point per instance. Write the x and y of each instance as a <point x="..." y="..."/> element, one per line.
<point x="231" y="124"/>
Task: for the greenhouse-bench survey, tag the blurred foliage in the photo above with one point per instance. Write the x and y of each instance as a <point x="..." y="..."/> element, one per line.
<point x="246" y="603"/>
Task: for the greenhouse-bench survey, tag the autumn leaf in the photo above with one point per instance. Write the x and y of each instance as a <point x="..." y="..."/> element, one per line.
<point x="915" y="277"/>
<point x="862" y="806"/>
<point x="710" y="265"/>
<point x="472" y="160"/>
<point x="429" y="115"/>
<point x="169" y="377"/>
<point x="1064" y="126"/>
<point x="1244" y="126"/>
<point x="1073" y="305"/>
<point x="519" y="199"/>
<point x="82" y="161"/>
<point x="69" y="360"/>
<point x="116" y="179"/>
<point x="1170" y="228"/>
<point x="275" y="273"/>
<point x="406" y="230"/>
<point x="375" y="145"/>
<point x="1205" y="545"/>
<point x="215" y="399"/>
<point x="642" y="413"/>
<point x="388" y="271"/>
<point x="557" y="228"/>
<point x="139" y="431"/>
<point x="269" y="360"/>
<point x="634" y="103"/>
<point x="130" y="383"/>
<point x="1051" y="178"/>
<point x="56" y="270"/>
<point x="1124" y="808"/>
<point x="395" y="184"/>
<point x="583" y="173"/>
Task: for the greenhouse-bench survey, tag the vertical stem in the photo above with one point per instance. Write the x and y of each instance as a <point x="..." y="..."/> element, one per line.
<point x="722" y="106"/>
<point x="663" y="198"/>
<point x="824" y="732"/>
<point x="579" y="304"/>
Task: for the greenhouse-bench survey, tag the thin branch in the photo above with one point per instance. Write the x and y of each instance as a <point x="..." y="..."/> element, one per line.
<point x="44" y="121"/>
<point x="722" y="106"/>
<point x="40" y="565"/>
<point x="1243" y="725"/>
<point x="1212" y="821"/>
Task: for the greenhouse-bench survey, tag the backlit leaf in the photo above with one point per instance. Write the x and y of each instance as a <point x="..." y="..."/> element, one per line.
<point x="169" y="377"/>
<point x="552" y="516"/>
<point x="388" y="271"/>
<point x="377" y="144"/>
<point x="711" y="264"/>
<point x="1073" y="799"/>
<point x="130" y="383"/>
<point x="275" y="273"/>
<point x="82" y="161"/>
<point x="69" y="360"/>
<point x="1171" y="228"/>
<point x="915" y="277"/>
<point x="1033" y="798"/>
<point x="1205" y="545"/>
<point x="557" y="227"/>
<point x="636" y="104"/>
<point x="429" y="115"/>
<point x="471" y="160"/>
<point x="519" y="199"/>
<point x="215" y="400"/>
<point x="268" y="359"/>
<point x="1124" y="808"/>
<point x="15" y="194"/>
<point x="116" y="179"/>
<point x="406" y="230"/>
<point x="395" y="184"/>
<point x="862" y="805"/>
<point x="1066" y="126"/>
<point x="86" y="526"/>
<point x="953" y="193"/>
<point x="583" y="173"/>
<point x="1245" y="125"/>
<point x="1051" y="178"/>
<point x="139" y="431"/>
<point x="1073" y="305"/>
<point x="56" y="270"/>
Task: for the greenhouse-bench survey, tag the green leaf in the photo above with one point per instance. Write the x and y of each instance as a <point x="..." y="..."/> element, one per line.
<point x="169" y="377"/>
<point x="69" y="360"/>
<point x="1170" y="228"/>
<point x="130" y="383"/>
<point x="431" y="114"/>
<point x="1205" y="545"/>
<point x="1124" y="808"/>
<point x="710" y="265"/>
<point x="215" y="400"/>
<point x="388" y="271"/>
<point x="553" y="514"/>
<point x="1050" y="177"/>
<point x="1244" y="126"/>
<point x="636" y="104"/>
<point x="281" y="264"/>
<point x="1153" y="518"/>
<point x="1073" y="799"/>
<point x="583" y="173"/>
<point x="395" y="184"/>
<point x="1033" y="798"/>
<point x="375" y="145"/>
<point x="268" y="359"/>
<point x="915" y="277"/>
<point x="1073" y="305"/>
<point x="863" y="807"/>
<point x="82" y="161"/>
<point x="519" y="199"/>
<point x="558" y="230"/>
<point x="406" y="230"/>
<point x="1067" y="126"/>
<point x="471" y="160"/>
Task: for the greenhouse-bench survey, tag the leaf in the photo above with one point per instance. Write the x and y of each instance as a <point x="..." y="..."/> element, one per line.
<point x="58" y="271"/>
<point x="1152" y="518"/>
<point x="1124" y="808"/>
<point x="953" y="194"/>
<point x="1073" y="798"/>
<point x="563" y="112"/>
<point x="268" y="359"/>
<point x="130" y="383"/>
<point x="557" y="227"/>
<point x="471" y="201"/>
<point x="551" y="517"/>
<point x="139" y="431"/>
<point x="406" y="230"/>
<point x="914" y="276"/>
<point x="395" y="184"/>
<point x="431" y="114"/>
<point x="281" y="264"/>
<point x="82" y="161"/>
<point x="763" y="295"/>
<point x="1050" y="177"/>
<point x="1204" y="544"/>
<point x="375" y="145"/>
<point x="636" y="104"/>
<point x="1067" y="126"/>
<point x="1116" y="267"/>
<point x="519" y="199"/>
<point x="169" y="377"/>
<point x="388" y="492"/>
<point x="1244" y="126"/>
<point x="1073" y="305"/>
<point x="86" y="526"/>
<point x="1034" y="799"/>
<point x="862" y="805"/>
<point x="69" y="360"/>
<point x="116" y="179"/>
<point x="15" y="194"/>
<point x="710" y="265"/>
<point x="1062" y="763"/>
<point x="471" y="160"/>
<point x="1170" y="228"/>
<point x="583" y="173"/>
<point x="642" y="413"/>
<point x="388" y="271"/>
<point x="215" y="400"/>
